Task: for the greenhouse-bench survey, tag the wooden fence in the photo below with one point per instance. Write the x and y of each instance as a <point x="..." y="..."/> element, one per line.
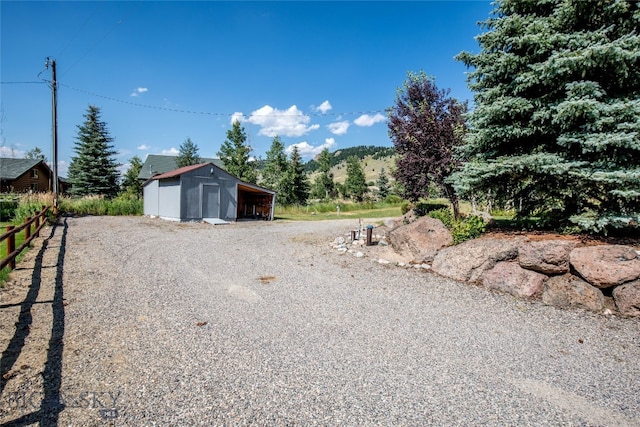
<point x="37" y="221"/>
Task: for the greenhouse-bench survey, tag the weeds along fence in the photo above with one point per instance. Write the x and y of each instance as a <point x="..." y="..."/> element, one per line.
<point x="31" y="228"/>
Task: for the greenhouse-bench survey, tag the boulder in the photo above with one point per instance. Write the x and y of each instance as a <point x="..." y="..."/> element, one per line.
<point x="571" y="291"/>
<point x="467" y="261"/>
<point x="509" y="277"/>
<point x="606" y="265"/>
<point x="627" y="298"/>
<point x="421" y="239"/>
<point x="547" y="256"/>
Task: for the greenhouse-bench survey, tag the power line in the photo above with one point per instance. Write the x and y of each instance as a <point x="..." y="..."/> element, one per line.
<point x="208" y="113"/>
<point x="21" y="83"/>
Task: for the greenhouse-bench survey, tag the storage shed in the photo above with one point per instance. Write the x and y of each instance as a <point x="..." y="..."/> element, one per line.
<point x="205" y="191"/>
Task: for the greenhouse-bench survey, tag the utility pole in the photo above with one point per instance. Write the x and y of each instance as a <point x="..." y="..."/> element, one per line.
<point x="54" y="120"/>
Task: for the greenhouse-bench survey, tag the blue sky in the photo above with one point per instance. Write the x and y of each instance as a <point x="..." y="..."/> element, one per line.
<point x="318" y="74"/>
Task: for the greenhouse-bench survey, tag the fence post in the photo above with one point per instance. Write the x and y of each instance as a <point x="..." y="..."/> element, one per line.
<point x="11" y="246"/>
<point x="27" y="230"/>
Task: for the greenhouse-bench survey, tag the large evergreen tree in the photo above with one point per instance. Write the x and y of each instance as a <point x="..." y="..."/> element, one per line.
<point x="275" y="166"/>
<point x="295" y="186"/>
<point x="188" y="154"/>
<point x="323" y="186"/>
<point x="356" y="184"/>
<point x="425" y="125"/>
<point x="556" y="128"/>
<point x="131" y="185"/>
<point x="235" y="154"/>
<point x="93" y="170"/>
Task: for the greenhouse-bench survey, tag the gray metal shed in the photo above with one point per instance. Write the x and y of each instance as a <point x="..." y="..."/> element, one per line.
<point x="205" y="191"/>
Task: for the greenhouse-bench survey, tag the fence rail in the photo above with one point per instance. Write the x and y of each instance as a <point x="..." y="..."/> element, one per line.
<point x="10" y="237"/>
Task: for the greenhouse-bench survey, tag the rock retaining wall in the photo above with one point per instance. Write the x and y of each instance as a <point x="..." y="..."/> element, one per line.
<point x="556" y="271"/>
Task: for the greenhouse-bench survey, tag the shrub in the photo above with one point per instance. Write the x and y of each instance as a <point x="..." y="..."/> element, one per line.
<point x="422" y="208"/>
<point x="468" y="228"/>
<point x="393" y="199"/>
<point x="462" y="229"/>
<point x="8" y="209"/>
<point x="445" y="215"/>
<point x="405" y="207"/>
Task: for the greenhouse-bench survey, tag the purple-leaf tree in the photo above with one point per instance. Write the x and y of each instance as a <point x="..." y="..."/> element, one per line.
<point x="425" y="125"/>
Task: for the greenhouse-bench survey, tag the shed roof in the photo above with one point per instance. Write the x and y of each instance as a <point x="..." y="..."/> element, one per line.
<point x="13" y="168"/>
<point x="156" y="164"/>
<point x="246" y="186"/>
<point x="180" y="171"/>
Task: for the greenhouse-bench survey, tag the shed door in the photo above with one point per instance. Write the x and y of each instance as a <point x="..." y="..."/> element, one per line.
<point x="210" y="201"/>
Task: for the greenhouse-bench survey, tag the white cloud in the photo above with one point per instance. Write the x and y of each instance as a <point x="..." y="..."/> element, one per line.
<point x="171" y="152"/>
<point x="289" y="122"/>
<point x="339" y="128"/>
<point x="237" y="117"/>
<point x="324" y="107"/>
<point x="143" y="147"/>
<point x="11" y="152"/>
<point x="367" y="120"/>
<point x="307" y="150"/>
<point x="123" y="168"/>
<point x="139" y="90"/>
<point x="63" y="168"/>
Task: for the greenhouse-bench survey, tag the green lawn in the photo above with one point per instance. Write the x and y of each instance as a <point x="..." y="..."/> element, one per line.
<point x="4" y="273"/>
<point x="310" y="215"/>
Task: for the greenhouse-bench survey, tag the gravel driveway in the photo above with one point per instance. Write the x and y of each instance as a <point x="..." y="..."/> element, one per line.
<point x="261" y="323"/>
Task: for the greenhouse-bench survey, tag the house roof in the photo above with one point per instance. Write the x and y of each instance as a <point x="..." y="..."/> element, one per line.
<point x="13" y="168"/>
<point x="156" y="164"/>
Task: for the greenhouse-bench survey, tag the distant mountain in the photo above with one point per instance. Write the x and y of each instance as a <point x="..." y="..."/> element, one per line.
<point x="361" y="152"/>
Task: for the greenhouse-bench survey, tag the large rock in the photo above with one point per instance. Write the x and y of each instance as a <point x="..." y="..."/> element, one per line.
<point x="467" y="261"/>
<point x="547" y="256"/>
<point x="627" y="298"/>
<point x="509" y="277"/>
<point x="421" y="239"/>
<point x="571" y="291"/>
<point x="606" y="265"/>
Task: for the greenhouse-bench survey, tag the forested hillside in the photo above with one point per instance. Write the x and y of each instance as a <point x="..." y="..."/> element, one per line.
<point x="361" y="152"/>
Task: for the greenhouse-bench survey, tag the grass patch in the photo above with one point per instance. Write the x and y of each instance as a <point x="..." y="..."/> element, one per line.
<point x="98" y="205"/>
<point x="4" y="273"/>
<point x="348" y="210"/>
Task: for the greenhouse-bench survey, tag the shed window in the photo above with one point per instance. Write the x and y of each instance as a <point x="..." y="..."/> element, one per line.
<point x="34" y="173"/>
<point x="34" y="186"/>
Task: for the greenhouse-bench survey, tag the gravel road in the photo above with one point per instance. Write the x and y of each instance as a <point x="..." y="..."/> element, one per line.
<point x="143" y="322"/>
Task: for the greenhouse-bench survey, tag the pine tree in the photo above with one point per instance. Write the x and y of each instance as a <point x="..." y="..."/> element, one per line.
<point x="93" y="171"/>
<point x="556" y="128"/>
<point x="356" y="183"/>
<point x="131" y="185"/>
<point x="323" y="186"/>
<point x="425" y="125"/>
<point x="236" y="155"/>
<point x="188" y="154"/>
<point x="383" y="184"/>
<point x="275" y="166"/>
<point x="295" y="186"/>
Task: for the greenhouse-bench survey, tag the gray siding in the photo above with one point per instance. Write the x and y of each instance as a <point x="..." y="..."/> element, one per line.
<point x="150" y="198"/>
<point x="192" y="193"/>
<point x="169" y="198"/>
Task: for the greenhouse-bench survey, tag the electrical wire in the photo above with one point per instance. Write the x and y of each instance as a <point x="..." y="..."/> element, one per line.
<point x="22" y="83"/>
<point x="208" y="113"/>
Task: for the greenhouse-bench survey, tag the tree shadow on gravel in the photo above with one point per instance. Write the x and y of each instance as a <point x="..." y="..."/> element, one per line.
<point x="50" y="406"/>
